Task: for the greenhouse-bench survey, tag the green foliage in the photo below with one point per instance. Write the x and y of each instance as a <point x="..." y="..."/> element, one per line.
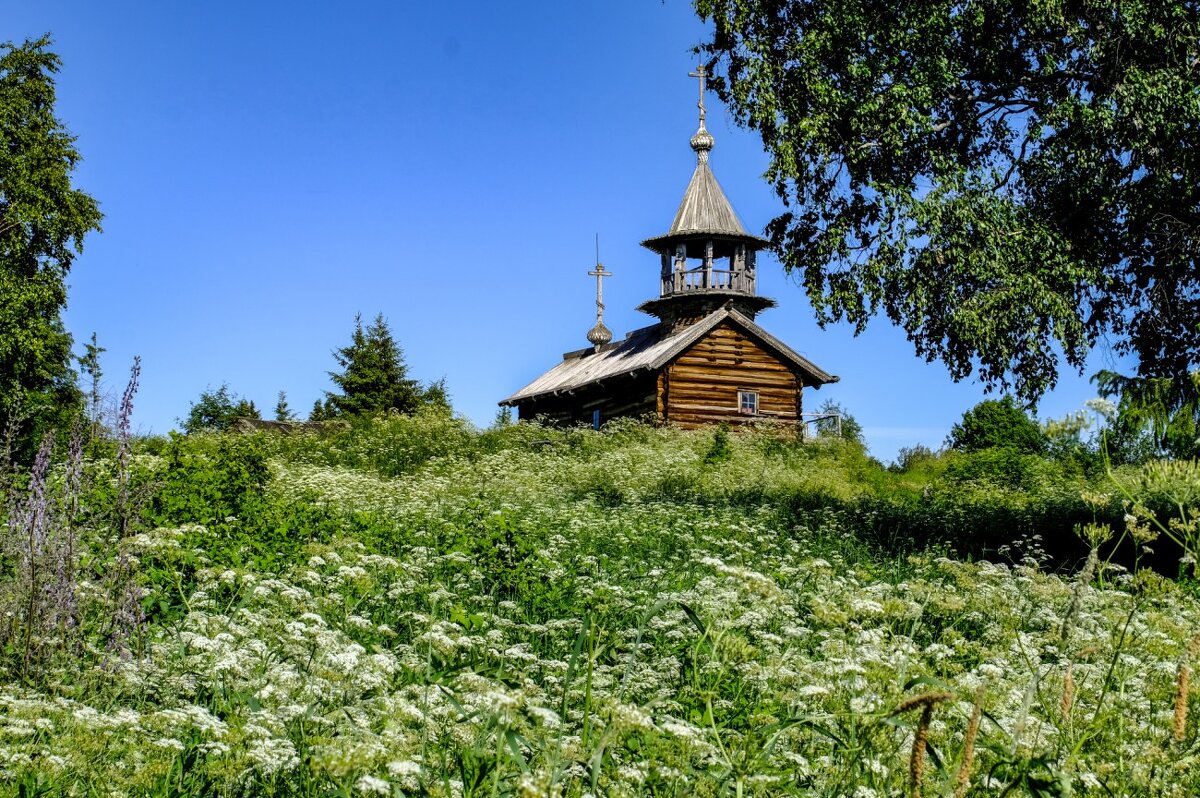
<point x="1007" y="181"/>
<point x="216" y="411"/>
<point x="844" y="425"/>
<point x="218" y="487"/>
<point x="388" y="444"/>
<point x="207" y="481"/>
<point x="374" y="377"/>
<point x="1006" y="466"/>
<point x="1153" y="418"/>
<point x="997" y="423"/>
<point x="539" y="611"/>
<point x="911" y="458"/>
<point x="43" y="222"/>
<point x="282" y="411"/>
<point x="718" y="451"/>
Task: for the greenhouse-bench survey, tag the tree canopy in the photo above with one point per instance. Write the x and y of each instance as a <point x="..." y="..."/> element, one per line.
<point x="1009" y="181"/>
<point x="997" y="424"/>
<point x="1152" y="417"/>
<point x="43" y="222"/>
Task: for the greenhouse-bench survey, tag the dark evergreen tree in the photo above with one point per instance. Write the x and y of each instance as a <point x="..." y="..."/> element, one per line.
<point x="282" y="411"/>
<point x="321" y="411"/>
<point x="374" y="377"/>
<point x="435" y="395"/>
<point x="43" y="222"/>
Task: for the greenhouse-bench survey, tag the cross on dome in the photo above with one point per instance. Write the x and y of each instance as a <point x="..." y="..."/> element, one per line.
<point x="701" y="73"/>
<point x="703" y="141"/>
<point x="600" y="334"/>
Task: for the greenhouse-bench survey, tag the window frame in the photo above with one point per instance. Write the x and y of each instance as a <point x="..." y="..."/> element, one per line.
<point x="747" y="408"/>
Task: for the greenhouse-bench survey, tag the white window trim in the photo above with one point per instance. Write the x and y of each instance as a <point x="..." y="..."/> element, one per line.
<point x="741" y="406"/>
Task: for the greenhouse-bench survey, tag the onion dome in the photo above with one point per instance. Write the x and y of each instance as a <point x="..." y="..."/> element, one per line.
<point x="703" y="142"/>
<point x="599" y="335"/>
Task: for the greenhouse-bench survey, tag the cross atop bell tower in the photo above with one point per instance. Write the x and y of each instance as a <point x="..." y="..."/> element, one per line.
<point x="708" y="257"/>
<point x="701" y="73"/>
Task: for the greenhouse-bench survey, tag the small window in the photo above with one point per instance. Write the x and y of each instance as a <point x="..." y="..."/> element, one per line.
<point x="748" y="403"/>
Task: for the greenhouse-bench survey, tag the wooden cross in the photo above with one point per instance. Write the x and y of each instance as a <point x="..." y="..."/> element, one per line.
<point x="700" y="73"/>
<point x="599" y="274"/>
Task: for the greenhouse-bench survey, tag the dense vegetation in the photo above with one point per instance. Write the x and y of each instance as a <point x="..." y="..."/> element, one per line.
<point x="409" y="606"/>
<point x="1010" y="181"/>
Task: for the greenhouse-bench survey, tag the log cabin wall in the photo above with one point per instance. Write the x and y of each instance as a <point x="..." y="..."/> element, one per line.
<point x="700" y="387"/>
<point x="626" y="397"/>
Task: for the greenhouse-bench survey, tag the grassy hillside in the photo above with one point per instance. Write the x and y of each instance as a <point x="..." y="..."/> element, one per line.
<point x="412" y="607"/>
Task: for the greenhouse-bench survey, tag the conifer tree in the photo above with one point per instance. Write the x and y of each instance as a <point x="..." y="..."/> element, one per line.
<point x="374" y="377"/>
<point x="43" y="221"/>
<point x="282" y="411"/>
<point x="90" y="363"/>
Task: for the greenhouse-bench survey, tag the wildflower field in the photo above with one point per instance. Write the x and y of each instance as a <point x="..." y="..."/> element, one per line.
<point x="414" y="607"/>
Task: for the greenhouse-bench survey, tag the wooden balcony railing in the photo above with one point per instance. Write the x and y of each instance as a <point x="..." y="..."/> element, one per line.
<point x="707" y="280"/>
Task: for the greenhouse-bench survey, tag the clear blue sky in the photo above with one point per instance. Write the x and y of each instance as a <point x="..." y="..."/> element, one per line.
<point x="269" y="169"/>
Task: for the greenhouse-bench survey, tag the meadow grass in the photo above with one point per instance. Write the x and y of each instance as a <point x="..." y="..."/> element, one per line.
<point x="412" y="607"/>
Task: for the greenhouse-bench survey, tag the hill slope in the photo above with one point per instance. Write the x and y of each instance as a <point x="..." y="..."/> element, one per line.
<point x="415" y="608"/>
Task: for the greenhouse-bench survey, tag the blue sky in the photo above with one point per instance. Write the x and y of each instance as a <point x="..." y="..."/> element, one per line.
<point x="269" y="169"/>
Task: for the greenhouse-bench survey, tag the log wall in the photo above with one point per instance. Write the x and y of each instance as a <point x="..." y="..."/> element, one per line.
<point x="622" y="397"/>
<point x="700" y="387"/>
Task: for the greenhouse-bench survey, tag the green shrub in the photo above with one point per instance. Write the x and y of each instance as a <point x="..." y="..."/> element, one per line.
<point x="206" y="479"/>
<point x="997" y="423"/>
<point x="389" y="444"/>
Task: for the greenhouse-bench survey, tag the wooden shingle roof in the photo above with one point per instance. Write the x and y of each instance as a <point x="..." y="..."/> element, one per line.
<point x="705" y="210"/>
<point x="651" y="348"/>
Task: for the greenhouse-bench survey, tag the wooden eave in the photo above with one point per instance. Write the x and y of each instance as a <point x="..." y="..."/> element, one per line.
<point x="649" y="350"/>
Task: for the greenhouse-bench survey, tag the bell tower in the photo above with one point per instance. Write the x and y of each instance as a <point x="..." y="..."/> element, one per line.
<point x="707" y="257"/>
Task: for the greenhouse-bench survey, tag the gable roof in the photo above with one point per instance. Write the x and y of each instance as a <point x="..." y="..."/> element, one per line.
<point x="651" y="348"/>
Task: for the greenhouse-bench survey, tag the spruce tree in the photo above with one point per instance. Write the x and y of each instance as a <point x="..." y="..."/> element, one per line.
<point x="282" y="411"/>
<point x="43" y="221"/>
<point x="374" y="377"/>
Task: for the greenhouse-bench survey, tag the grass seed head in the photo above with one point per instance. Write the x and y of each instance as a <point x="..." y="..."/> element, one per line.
<point x="1183" y="683"/>
<point x="916" y="764"/>
<point x="1068" y="694"/>
<point x="922" y="700"/>
<point x="963" y="779"/>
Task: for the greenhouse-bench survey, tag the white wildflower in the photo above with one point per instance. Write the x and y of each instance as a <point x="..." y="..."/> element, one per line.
<point x="370" y="785"/>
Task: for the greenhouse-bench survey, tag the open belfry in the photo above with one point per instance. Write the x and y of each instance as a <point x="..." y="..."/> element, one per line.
<point x="705" y="360"/>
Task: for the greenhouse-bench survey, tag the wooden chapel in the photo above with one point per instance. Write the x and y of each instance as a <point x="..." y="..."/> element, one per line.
<point x="705" y="360"/>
